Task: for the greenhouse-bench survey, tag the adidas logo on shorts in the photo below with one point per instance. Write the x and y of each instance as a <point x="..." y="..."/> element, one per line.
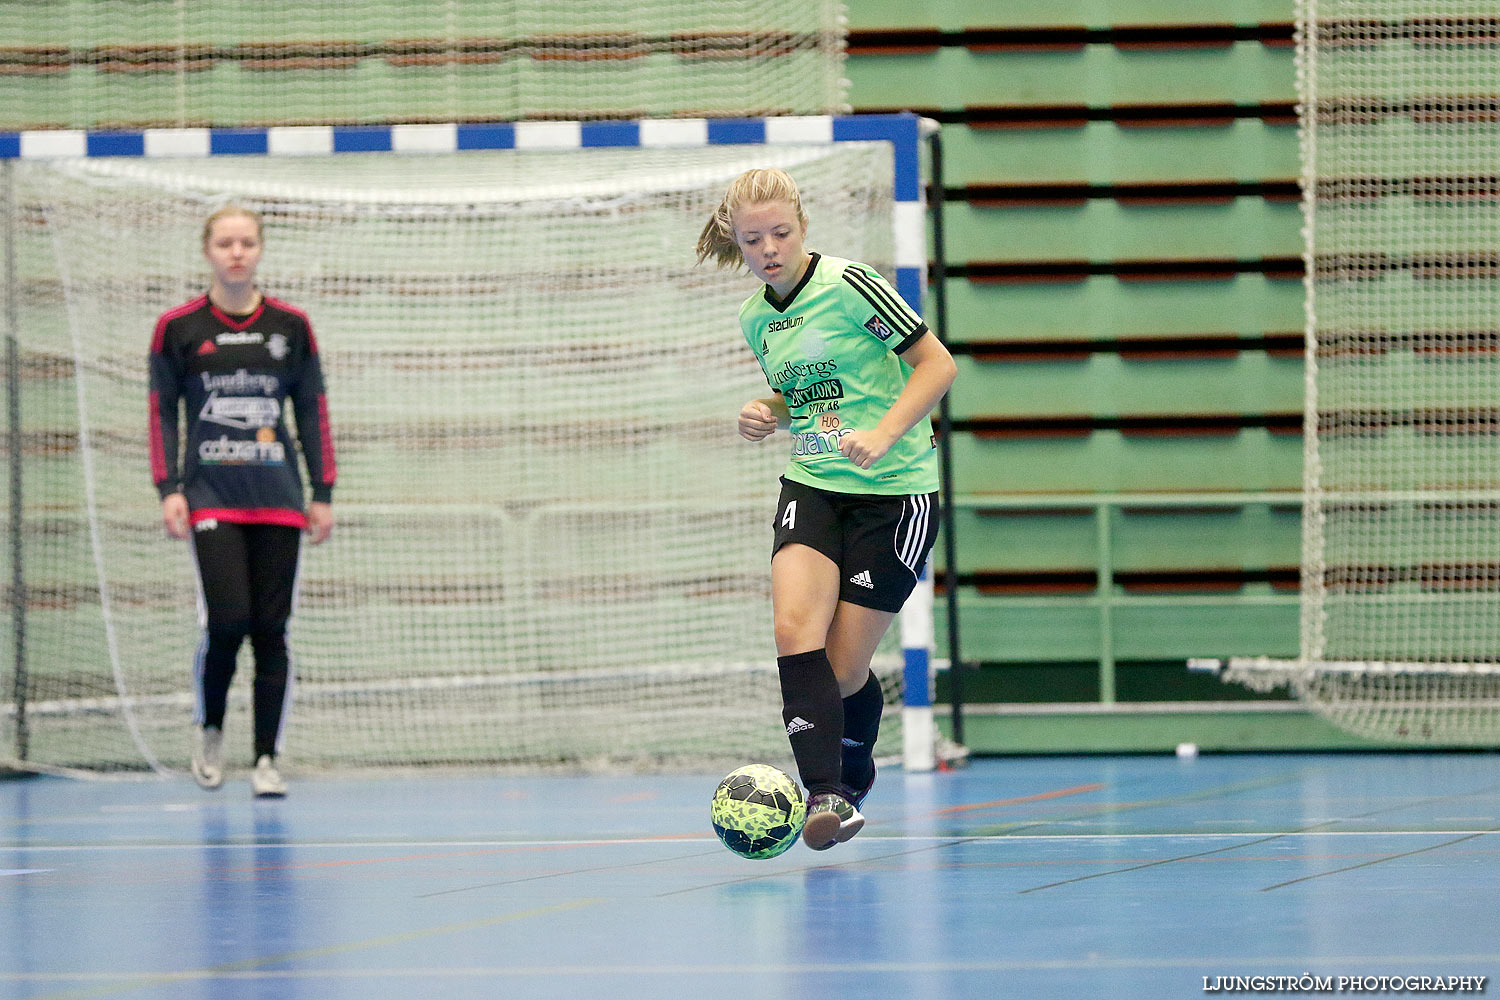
<point x="863" y="579"/>
<point x="797" y="724"/>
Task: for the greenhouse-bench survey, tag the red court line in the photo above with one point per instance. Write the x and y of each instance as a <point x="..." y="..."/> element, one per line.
<point x="1039" y="797"/>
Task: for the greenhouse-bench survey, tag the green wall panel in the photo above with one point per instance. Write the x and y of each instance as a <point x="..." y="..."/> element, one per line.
<point x="1140" y="539"/>
<point x="1103" y="306"/>
<point x="955" y="15"/>
<point x="1107" y="460"/>
<point x="1097" y="75"/>
<point x="1105" y="229"/>
<point x="1000" y="629"/>
<point x="1105" y="384"/>
<point x="1102" y="152"/>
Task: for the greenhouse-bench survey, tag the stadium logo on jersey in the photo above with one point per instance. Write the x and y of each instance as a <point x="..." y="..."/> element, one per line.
<point x="827" y="389"/>
<point x="777" y="325"/>
<point x="277" y="346"/>
<point x="877" y="326"/>
<point x="231" y="339"/>
<point x="242" y="412"/>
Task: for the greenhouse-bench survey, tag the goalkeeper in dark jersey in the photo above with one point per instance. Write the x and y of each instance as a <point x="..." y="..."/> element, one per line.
<point x="854" y="373"/>
<point x="231" y="359"/>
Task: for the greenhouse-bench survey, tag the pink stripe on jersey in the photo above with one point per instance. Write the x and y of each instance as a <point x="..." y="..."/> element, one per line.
<point x="312" y="342"/>
<point x="325" y="433"/>
<point x="153" y="432"/>
<point x="257" y="515"/>
<point x="168" y="316"/>
<point x="237" y="324"/>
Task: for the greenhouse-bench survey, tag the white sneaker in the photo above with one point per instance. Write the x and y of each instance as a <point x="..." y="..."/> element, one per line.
<point x="265" y="781"/>
<point x="831" y="819"/>
<point x="208" y="757"/>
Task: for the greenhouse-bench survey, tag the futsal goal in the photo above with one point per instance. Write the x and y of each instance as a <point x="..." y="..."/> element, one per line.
<point x="1400" y="604"/>
<point x="552" y="547"/>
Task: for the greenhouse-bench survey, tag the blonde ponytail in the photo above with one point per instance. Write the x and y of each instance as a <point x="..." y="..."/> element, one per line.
<point x="753" y="187"/>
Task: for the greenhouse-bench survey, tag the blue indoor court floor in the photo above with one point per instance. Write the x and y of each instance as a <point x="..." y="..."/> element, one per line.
<point x="1070" y="877"/>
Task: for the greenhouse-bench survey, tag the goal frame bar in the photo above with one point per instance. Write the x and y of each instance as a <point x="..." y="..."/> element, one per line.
<point x="903" y="131"/>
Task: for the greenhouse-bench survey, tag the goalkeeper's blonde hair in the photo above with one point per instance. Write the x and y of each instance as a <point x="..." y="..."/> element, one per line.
<point x="753" y="187"/>
<point x="229" y="211"/>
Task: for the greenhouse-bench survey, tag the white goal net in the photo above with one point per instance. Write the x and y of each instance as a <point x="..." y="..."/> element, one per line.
<point x="1401" y="555"/>
<point x="552" y="547"/>
<point x="103" y="64"/>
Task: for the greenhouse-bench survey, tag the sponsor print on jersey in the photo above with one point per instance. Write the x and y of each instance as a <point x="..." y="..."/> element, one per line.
<point x="877" y="326"/>
<point x="241" y="412"/>
<point x="225" y="451"/>
<point x="816" y="443"/>
<point x="242" y="383"/>
<point x="247" y="337"/>
<point x="819" y="391"/>
<point x="791" y="371"/>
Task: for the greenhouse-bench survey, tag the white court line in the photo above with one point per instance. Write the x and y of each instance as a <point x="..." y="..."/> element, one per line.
<point x="613" y="969"/>
<point x="1002" y="838"/>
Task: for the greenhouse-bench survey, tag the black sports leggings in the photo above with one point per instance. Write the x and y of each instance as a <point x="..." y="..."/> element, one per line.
<point x="248" y="575"/>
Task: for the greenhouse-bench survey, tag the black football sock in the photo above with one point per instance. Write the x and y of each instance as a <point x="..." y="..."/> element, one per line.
<point x="814" y="717"/>
<point x="861" y="726"/>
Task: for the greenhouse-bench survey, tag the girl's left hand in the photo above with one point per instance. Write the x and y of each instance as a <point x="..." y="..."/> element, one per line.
<point x="319" y="521"/>
<point x="865" y="448"/>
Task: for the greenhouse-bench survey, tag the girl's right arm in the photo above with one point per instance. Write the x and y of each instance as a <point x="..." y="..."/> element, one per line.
<point x="759" y="418"/>
<point x="164" y="390"/>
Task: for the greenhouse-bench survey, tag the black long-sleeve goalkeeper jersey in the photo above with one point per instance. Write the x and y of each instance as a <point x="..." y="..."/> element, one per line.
<point x="233" y="375"/>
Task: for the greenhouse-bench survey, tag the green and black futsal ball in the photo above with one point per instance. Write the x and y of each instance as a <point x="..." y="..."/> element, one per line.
<point x="758" y="811"/>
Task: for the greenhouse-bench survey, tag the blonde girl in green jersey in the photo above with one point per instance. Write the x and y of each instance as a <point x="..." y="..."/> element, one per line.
<point x="854" y="373"/>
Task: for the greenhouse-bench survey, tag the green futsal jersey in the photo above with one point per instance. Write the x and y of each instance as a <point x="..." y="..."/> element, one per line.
<point x="832" y="350"/>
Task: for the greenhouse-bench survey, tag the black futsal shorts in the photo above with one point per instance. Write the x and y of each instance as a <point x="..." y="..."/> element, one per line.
<point x="880" y="543"/>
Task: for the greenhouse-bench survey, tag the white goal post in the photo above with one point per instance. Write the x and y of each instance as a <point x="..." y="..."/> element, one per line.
<point x="551" y="549"/>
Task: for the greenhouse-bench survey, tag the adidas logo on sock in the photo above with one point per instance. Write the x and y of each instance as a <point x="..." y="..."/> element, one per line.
<point x="797" y="724"/>
<point x="863" y="579"/>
